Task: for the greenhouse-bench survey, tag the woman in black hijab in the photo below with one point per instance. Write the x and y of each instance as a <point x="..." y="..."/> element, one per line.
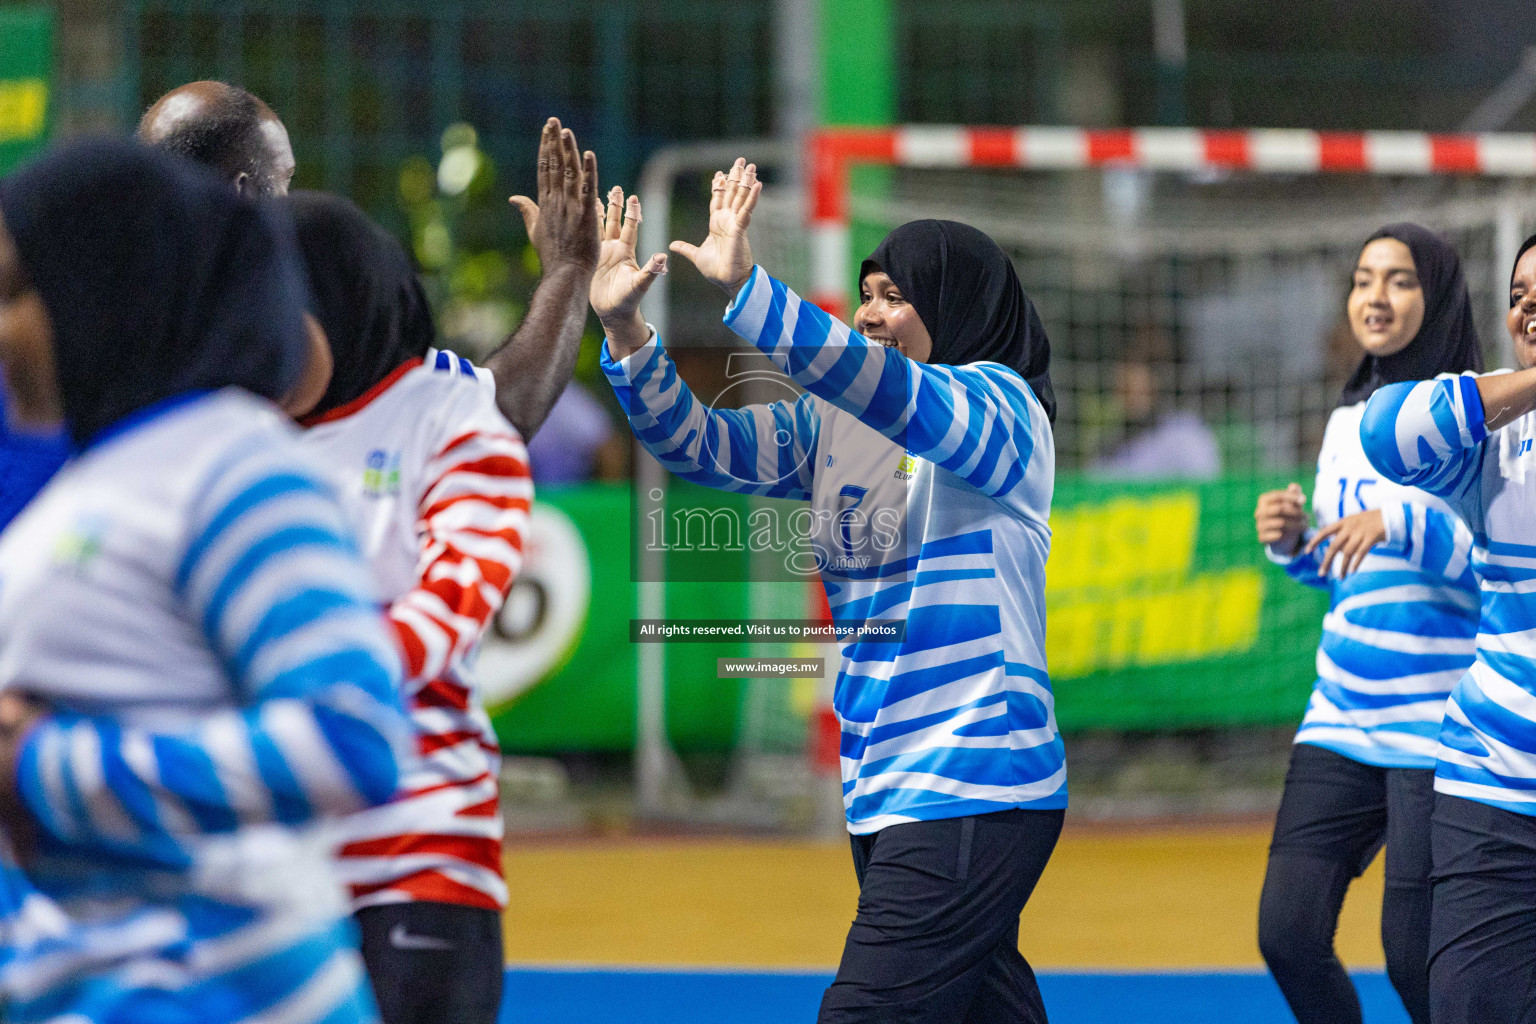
<point x="969" y="297"/>
<point x="193" y="670"/>
<point x="367" y="295"/>
<point x="150" y="287"/>
<point x="438" y="485"/>
<point x="1399" y="634"/>
<point x="923" y="444"/>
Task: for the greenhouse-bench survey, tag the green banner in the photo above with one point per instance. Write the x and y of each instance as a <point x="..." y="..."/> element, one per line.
<point x="1162" y="614"/>
<point x="577" y="690"/>
<point x="26" y="65"/>
<point x="1162" y="611"/>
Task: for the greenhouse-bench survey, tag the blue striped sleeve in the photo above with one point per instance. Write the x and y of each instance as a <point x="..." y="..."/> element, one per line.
<point x="978" y="421"/>
<point x="1429" y="539"/>
<point x="285" y="600"/>
<point x="1427" y="434"/>
<point x="766" y="450"/>
<point x="1302" y="566"/>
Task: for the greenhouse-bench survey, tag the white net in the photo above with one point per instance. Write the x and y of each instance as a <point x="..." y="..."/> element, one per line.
<point x="1177" y="297"/>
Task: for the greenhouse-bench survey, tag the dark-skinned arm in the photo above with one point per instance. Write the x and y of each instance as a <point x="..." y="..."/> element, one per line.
<point x="534" y="364"/>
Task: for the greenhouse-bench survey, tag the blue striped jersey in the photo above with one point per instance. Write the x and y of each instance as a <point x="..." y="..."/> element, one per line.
<point x="187" y="601"/>
<point x="1433" y="435"/>
<point x="929" y="491"/>
<point x="1401" y="629"/>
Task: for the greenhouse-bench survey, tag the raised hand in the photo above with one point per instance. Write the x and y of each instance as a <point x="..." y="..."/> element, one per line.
<point x="1281" y="518"/>
<point x="1350" y="540"/>
<point x="620" y="282"/>
<point x="725" y="257"/>
<point x="563" y="224"/>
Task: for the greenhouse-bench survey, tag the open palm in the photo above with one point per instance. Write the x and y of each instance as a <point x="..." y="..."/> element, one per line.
<point x="619" y="282"/>
<point x="725" y="258"/>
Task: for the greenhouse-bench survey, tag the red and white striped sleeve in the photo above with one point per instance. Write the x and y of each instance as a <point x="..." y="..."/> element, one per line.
<point x="472" y="517"/>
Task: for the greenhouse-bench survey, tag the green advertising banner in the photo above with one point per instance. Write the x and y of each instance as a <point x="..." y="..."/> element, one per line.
<point x="1162" y="614"/>
<point x="1162" y="611"/>
<point x="26" y="62"/>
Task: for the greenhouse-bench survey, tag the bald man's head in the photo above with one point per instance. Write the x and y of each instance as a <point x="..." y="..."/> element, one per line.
<point x="226" y="128"/>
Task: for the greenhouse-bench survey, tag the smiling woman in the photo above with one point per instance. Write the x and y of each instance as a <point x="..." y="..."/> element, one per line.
<point x="1398" y="635"/>
<point x="1521" y="319"/>
<point x="1386" y="303"/>
<point x="936" y="409"/>
<point x="1466" y="439"/>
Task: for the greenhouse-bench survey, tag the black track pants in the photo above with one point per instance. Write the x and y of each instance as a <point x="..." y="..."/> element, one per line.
<point x="1482" y="967"/>
<point x="936" y="939"/>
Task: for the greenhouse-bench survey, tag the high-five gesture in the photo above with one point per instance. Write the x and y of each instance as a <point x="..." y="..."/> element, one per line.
<point x="725" y="258"/>
<point x="620" y="281"/>
<point x="533" y="365"/>
<point x="563" y="224"/>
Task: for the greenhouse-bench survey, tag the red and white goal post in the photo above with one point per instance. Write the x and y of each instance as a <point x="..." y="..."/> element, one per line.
<point x="832" y="151"/>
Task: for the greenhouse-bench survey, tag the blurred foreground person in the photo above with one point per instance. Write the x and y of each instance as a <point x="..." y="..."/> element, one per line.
<point x="1400" y="630"/>
<point x="192" y="661"/>
<point x="239" y="136"/>
<point x="923" y="445"/>
<point x="437" y="484"/>
<point x="1469" y="440"/>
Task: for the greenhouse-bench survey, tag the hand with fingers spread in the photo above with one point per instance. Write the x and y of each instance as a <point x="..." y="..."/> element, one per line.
<point x="725" y="258"/>
<point x="1281" y="518"/>
<point x="563" y="224"/>
<point x="1349" y="540"/>
<point x="620" y="281"/>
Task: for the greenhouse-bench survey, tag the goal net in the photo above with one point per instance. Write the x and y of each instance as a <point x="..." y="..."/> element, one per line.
<point x="1193" y="287"/>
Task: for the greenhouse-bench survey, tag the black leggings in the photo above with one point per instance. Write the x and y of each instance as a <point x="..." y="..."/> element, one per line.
<point x="433" y="963"/>
<point x="1335" y="815"/>
<point x="1482" y="966"/>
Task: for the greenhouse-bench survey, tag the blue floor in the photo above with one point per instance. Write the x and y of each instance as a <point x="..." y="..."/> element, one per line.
<point x="593" y="996"/>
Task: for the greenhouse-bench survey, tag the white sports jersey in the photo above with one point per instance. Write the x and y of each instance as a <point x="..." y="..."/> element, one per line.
<point x="438" y="484"/>
<point x="187" y="599"/>
<point x="1401" y="629"/>
<point x="1434" y="435"/>
<point x="930" y="491"/>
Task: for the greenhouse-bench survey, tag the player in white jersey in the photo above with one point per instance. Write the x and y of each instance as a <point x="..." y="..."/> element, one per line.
<point x="193" y="668"/>
<point x="1470" y="440"/>
<point x="1399" y="632"/>
<point x="923" y="445"/>
<point x="437" y="482"/>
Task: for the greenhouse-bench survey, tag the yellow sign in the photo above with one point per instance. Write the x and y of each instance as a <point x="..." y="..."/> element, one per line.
<point x="1119" y="591"/>
<point x="23" y="109"/>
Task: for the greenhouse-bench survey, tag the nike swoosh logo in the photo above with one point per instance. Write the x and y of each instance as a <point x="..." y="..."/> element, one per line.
<point x="401" y="939"/>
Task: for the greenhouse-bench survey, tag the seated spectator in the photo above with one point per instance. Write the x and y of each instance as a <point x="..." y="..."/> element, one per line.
<point x="1158" y="441"/>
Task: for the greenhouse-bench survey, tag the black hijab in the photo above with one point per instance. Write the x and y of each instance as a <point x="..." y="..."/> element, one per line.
<point x="1447" y="340"/>
<point x="1525" y="247"/>
<point x="366" y="295"/>
<point x="966" y="293"/>
<point x="159" y="280"/>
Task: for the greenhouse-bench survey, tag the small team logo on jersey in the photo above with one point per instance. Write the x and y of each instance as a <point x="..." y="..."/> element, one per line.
<point x="1525" y="447"/>
<point x="381" y="473"/>
<point x="79" y="547"/>
<point x="906" y="468"/>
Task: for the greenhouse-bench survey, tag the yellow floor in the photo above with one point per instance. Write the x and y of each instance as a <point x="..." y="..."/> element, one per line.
<point x="1118" y="899"/>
